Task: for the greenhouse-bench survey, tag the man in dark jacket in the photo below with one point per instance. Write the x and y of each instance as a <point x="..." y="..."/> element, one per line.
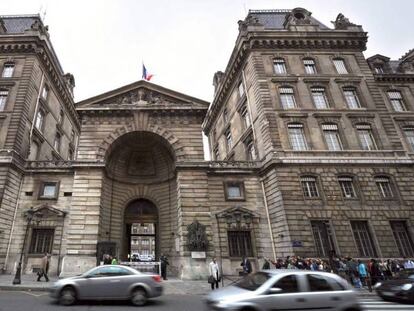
<point x="164" y="264"/>
<point x="246" y="264"/>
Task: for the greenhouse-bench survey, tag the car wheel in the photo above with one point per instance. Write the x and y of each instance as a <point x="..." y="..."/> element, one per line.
<point x="67" y="296"/>
<point x="139" y="297"/>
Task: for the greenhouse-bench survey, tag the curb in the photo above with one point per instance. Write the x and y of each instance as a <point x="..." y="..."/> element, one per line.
<point x="23" y="288"/>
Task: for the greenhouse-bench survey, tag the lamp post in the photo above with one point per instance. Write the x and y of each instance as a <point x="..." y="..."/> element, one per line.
<point x="30" y="215"/>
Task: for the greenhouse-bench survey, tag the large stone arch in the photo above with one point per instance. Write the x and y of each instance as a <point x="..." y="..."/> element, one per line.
<point x="174" y="143"/>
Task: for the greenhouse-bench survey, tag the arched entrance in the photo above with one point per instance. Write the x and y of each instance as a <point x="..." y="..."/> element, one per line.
<point x="141" y="227"/>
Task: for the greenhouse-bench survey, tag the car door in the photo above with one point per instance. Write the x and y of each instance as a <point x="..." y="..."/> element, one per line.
<point x="90" y="285"/>
<point x="283" y="294"/>
<point x="321" y="293"/>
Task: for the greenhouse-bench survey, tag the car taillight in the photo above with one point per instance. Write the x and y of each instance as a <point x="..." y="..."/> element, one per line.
<point x="156" y="278"/>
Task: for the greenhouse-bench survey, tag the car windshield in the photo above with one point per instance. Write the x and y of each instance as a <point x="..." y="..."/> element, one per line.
<point x="253" y="281"/>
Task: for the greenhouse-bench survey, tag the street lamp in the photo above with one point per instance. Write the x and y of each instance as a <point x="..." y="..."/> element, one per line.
<point x="30" y="215"/>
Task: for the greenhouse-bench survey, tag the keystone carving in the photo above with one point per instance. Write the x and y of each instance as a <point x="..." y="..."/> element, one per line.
<point x="197" y="238"/>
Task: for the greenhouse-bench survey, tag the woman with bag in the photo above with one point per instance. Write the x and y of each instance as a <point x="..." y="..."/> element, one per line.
<point x="215" y="275"/>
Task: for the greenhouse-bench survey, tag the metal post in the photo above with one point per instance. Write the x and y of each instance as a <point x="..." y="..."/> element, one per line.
<point x="17" y="277"/>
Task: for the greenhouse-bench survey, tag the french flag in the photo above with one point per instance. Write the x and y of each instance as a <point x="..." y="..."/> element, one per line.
<point x="145" y="75"/>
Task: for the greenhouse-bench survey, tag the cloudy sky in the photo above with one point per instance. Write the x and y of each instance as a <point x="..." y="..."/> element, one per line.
<point x="183" y="42"/>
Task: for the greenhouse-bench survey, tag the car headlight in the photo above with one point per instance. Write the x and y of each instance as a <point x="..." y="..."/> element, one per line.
<point x="406" y="286"/>
<point x="377" y="285"/>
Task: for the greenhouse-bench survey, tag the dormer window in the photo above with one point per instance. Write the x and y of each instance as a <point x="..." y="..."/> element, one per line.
<point x="379" y="69"/>
<point x="8" y="70"/>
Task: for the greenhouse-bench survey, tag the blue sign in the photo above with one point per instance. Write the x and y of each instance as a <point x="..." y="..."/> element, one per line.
<point x="296" y="243"/>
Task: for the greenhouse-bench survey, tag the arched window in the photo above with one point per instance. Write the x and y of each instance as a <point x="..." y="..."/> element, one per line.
<point x="297" y="137"/>
<point x="347" y="186"/>
<point x="287" y="97"/>
<point x="310" y="67"/>
<point x="351" y="97"/>
<point x="309" y="186"/>
<point x="385" y="187"/>
<point x="340" y="67"/>
<point x="8" y="70"/>
<point x="279" y="66"/>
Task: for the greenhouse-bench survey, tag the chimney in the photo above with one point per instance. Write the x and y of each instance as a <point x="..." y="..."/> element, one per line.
<point x="218" y="77"/>
<point x="70" y="81"/>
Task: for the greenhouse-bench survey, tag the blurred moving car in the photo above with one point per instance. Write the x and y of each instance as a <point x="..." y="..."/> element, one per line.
<point x="400" y="289"/>
<point x="146" y="258"/>
<point x="109" y="282"/>
<point x="286" y="290"/>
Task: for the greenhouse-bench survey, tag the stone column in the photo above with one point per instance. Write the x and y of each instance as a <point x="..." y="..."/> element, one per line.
<point x="84" y="215"/>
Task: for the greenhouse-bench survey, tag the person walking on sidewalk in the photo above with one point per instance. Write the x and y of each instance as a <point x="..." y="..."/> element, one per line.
<point x="164" y="264"/>
<point x="215" y="274"/>
<point x="246" y="264"/>
<point x="44" y="269"/>
<point x="363" y="273"/>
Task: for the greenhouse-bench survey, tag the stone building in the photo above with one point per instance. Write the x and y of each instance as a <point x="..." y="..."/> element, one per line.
<point x="312" y="148"/>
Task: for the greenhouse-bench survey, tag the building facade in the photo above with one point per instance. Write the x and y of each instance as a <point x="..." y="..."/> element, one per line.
<point x="312" y="148"/>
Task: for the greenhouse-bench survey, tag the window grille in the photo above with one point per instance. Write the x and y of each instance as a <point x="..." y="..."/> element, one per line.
<point x="409" y="134"/>
<point x="3" y="99"/>
<point x="323" y="237"/>
<point x="279" y="66"/>
<point x="351" y="98"/>
<point x="287" y="98"/>
<point x="310" y="67"/>
<point x="396" y="100"/>
<point x="309" y="187"/>
<point x="297" y="137"/>
<point x="363" y="239"/>
<point x="319" y="98"/>
<point x="347" y="187"/>
<point x="402" y="238"/>
<point x="240" y="243"/>
<point x="42" y="241"/>
<point x="340" y="66"/>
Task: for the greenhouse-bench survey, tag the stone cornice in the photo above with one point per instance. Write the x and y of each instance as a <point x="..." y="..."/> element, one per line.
<point x="151" y="109"/>
<point x="41" y="47"/>
<point x="270" y="39"/>
<point x="394" y="77"/>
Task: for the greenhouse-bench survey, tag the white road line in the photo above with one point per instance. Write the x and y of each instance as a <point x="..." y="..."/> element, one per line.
<point x="372" y="304"/>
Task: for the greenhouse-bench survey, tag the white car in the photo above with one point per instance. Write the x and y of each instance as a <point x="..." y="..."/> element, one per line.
<point x="146" y="258"/>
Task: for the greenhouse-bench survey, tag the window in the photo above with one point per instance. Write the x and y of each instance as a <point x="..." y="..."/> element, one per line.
<point x="250" y="150"/>
<point x="396" y="100"/>
<point x="323" y="237"/>
<point x="309" y="187"/>
<point x="70" y="154"/>
<point x="363" y="239"/>
<point x="297" y="137"/>
<point x="287" y="98"/>
<point x="402" y="238"/>
<point x="49" y="190"/>
<point x="216" y="153"/>
<point x="279" y="66"/>
<point x="240" y="243"/>
<point x="409" y="135"/>
<point x="225" y="115"/>
<point x="340" y="66"/>
<point x="3" y="99"/>
<point x="319" y="283"/>
<point x="347" y="187"/>
<point x="42" y="241"/>
<point x="332" y="139"/>
<point x="310" y="67"/>
<point x="57" y="143"/>
<point x="40" y="117"/>
<point x="229" y="140"/>
<point x="365" y="137"/>
<point x="351" y="98"/>
<point x="45" y="92"/>
<point x="34" y="151"/>
<point x="378" y="69"/>
<point x="246" y="117"/>
<point x="287" y="284"/>
<point x="319" y="98"/>
<point x="384" y="187"/>
<point x="61" y="117"/>
<point x="240" y="89"/>
<point x="234" y="190"/>
<point x="8" y="70"/>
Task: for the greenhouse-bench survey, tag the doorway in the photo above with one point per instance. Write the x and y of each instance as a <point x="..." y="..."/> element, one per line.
<point x="141" y="227"/>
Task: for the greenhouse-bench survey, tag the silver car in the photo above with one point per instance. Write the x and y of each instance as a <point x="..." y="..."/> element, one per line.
<point x="109" y="282"/>
<point x="286" y="290"/>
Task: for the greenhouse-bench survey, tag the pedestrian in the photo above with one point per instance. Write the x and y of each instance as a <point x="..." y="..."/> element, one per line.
<point x="164" y="264"/>
<point x="246" y="264"/>
<point x="114" y="261"/>
<point x="107" y="259"/>
<point x="363" y="273"/>
<point x="215" y="274"/>
<point x="375" y="272"/>
<point x="266" y="264"/>
<point x="44" y="269"/>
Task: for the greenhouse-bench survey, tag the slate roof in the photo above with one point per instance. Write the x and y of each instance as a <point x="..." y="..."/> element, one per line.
<point x="18" y="23"/>
<point x="274" y="19"/>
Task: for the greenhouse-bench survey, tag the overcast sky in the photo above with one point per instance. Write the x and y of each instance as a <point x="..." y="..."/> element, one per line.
<point x="183" y="42"/>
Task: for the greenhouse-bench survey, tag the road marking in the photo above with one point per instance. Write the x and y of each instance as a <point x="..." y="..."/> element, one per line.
<point x="24" y="292"/>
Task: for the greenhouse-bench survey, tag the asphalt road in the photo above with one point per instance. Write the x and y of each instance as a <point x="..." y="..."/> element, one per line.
<point x="40" y="301"/>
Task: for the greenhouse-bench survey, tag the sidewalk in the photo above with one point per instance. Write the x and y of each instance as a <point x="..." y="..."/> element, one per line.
<point x="172" y="286"/>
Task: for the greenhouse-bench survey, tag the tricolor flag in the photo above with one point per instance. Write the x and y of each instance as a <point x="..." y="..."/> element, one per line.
<point x="145" y="75"/>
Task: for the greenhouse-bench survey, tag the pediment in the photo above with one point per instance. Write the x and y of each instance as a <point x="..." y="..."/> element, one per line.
<point x="142" y="94"/>
<point x="47" y="210"/>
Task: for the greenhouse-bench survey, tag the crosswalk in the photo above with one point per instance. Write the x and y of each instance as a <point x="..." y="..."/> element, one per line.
<point x="377" y="304"/>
